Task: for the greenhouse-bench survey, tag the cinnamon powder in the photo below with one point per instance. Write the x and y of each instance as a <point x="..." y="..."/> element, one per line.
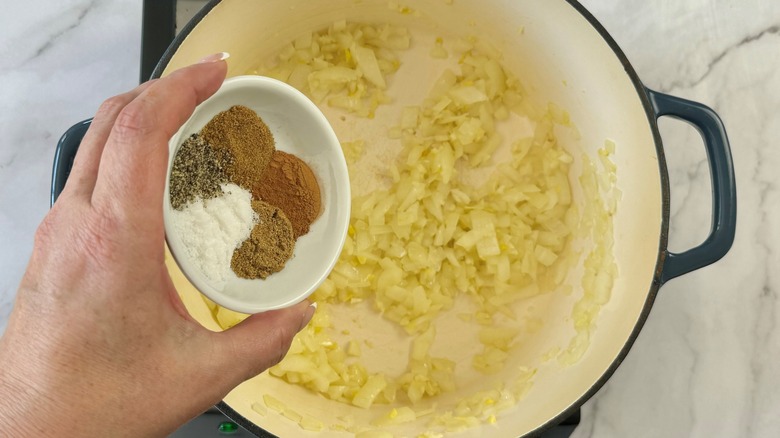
<point x="289" y="184"/>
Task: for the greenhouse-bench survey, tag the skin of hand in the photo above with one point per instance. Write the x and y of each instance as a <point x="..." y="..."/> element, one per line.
<point x="99" y="343"/>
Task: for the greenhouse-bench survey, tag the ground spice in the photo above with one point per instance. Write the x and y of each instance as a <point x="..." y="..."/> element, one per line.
<point x="237" y="147"/>
<point x="242" y="132"/>
<point x="268" y="247"/>
<point x="289" y="184"/>
<point x="212" y="229"/>
<point x="198" y="172"/>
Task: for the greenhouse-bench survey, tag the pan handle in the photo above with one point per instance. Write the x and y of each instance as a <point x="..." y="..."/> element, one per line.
<point x="724" y="188"/>
<point x="64" y="156"/>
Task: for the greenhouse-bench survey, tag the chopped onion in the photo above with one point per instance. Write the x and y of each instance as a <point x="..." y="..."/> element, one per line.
<point x="346" y="65"/>
<point x="434" y="235"/>
<point x="600" y="265"/>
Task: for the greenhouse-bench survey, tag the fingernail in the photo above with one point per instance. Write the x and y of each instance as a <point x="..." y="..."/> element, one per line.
<point x="308" y="315"/>
<point x="221" y="56"/>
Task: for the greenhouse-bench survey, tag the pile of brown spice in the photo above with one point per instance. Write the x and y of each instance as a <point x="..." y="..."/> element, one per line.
<point x="269" y="246"/>
<point x="288" y="183"/>
<point x="237" y="146"/>
<point x="243" y="133"/>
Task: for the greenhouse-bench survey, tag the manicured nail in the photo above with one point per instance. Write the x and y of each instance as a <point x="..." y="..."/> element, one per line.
<point x="308" y="315"/>
<point x="221" y="56"/>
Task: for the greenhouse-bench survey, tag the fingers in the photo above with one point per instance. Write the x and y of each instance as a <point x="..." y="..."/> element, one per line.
<point x="85" y="168"/>
<point x="259" y="342"/>
<point x="134" y="162"/>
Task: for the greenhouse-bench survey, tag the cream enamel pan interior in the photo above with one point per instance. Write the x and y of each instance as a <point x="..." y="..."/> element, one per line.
<point x="561" y="57"/>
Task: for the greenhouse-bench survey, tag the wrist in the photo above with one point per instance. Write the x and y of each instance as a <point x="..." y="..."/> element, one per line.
<point x="31" y="395"/>
<point x="23" y="412"/>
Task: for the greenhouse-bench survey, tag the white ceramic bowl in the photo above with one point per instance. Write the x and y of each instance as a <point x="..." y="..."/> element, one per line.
<point x="301" y="129"/>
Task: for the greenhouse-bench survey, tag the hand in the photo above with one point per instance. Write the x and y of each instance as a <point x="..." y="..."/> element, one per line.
<point x="99" y="343"/>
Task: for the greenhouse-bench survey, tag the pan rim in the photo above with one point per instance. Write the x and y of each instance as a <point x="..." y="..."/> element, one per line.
<point x="654" y="287"/>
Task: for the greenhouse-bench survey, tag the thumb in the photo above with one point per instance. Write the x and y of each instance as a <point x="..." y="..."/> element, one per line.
<point x="259" y="342"/>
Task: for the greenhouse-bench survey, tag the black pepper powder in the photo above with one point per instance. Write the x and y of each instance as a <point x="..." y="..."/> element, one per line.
<point x="198" y="171"/>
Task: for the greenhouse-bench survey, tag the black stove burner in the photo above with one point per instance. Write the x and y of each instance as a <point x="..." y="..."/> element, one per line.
<point x="157" y="32"/>
<point x="161" y="19"/>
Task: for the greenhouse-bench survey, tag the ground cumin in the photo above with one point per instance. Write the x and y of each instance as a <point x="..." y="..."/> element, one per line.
<point x="268" y="247"/>
<point x="289" y="184"/>
<point x="241" y="131"/>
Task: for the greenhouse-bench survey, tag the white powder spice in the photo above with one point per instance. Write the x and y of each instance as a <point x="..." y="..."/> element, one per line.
<point x="212" y="229"/>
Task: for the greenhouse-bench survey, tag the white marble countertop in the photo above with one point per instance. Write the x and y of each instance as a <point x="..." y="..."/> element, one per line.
<point x="703" y="364"/>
